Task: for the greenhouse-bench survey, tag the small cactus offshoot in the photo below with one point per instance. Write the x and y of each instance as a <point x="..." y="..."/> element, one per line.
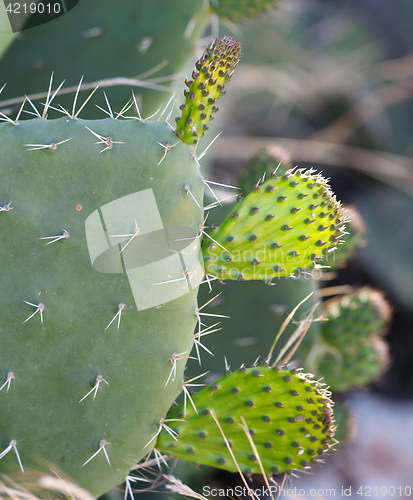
<point x="212" y="71"/>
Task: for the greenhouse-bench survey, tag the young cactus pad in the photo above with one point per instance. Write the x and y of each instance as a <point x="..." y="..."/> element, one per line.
<point x="289" y="419"/>
<point x="100" y="266"/>
<point x="354" y="317"/>
<point x="281" y="228"/>
<point x="355" y="366"/>
<point x="212" y="71"/>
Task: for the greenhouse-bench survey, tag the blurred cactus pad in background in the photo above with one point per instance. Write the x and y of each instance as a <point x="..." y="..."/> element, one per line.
<point x="203" y="225"/>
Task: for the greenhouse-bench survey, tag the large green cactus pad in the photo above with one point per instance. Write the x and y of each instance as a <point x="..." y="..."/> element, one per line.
<point x="102" y="39"/>
<point x="288" y="415"/>
<point x="95" y="231"/>
<point x="281" y="228"/>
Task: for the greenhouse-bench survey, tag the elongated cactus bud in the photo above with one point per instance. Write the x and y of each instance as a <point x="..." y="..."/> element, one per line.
<point x="288" y="417"/>
<point x="239" y="10"/>
<point x="212" y="71"/>
<point x="282" y="227"/>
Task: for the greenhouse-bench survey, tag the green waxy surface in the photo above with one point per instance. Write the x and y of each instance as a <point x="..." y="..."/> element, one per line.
<point x="288" y="415"/>
<point x="212" y="71"/>
<point x="57" y="362"/>
<point x="281" y="228"/>
<point x="102" y="39"/>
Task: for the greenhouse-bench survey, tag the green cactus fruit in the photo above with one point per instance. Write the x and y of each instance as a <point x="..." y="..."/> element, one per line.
<point x="106" y="40"/>
<point x="99" y="276"/>
<point x="355" y="366"/>
<point x="212" y="71"/>
<point x="279" y="229"/>
<point x="354" y="317"/>
<point x="239" y="10"/>
<point x="355" y="239"/>
<point x="261" y="164"/>
<point x="289" y="417"/>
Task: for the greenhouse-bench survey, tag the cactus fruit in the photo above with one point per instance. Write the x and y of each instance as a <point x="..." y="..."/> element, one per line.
<point x="281" y="228"/>
<point x="212" y="71"/>
<point x="239" y="10"/>
<point x="288" y="415"/>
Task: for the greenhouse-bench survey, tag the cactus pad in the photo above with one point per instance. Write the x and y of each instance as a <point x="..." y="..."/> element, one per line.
<point x="96" y="296"/>
<point x="288" y="415"/>
<point x="355" y="366"/>
<point x="212" y="71"/>
<point x="282" y="227"/>
<point x="354" y="317"/>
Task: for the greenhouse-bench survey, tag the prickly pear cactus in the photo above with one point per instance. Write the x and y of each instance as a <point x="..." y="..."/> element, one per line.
<point x="101" y="263"/>
<point x="286" y="415"/>
<point x="281" y="228"/>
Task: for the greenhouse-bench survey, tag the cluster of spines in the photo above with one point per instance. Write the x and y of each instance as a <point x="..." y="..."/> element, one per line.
<point x="212" y="71"/>
<point x="289" y="418"/>
<point x="355" y="239"/>
<point x="284" y="226"/>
